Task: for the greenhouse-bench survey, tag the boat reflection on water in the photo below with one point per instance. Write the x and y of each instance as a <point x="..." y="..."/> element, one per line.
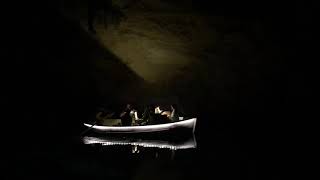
<point x="184" y="143"/>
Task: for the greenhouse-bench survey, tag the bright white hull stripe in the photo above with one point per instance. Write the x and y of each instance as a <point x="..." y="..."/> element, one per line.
<point x="190" y="123"/>
<point x="190" y="143"/>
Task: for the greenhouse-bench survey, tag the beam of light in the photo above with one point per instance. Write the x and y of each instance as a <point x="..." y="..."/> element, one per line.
<point x="190" y="124"/>
<point x="108" y="141"/>
<point x="155" y="53"/>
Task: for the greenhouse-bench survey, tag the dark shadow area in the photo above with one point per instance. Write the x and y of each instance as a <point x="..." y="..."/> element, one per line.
<point x="50" y="86"/>
<point x="51" y="78"/>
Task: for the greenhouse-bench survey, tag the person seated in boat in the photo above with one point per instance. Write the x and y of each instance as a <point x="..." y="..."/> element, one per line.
<point x="174" y="114"/>
<point x="134" y="116"/>
<point x="128" y="115"/>
<point x="162" y="115"/>
<point x="159" y="110"/>
<point x="148" y="115"/>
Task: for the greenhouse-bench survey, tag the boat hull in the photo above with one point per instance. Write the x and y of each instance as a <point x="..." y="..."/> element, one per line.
<point x="188" y="124"/>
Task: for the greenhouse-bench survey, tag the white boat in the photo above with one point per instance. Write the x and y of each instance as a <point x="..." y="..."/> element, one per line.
<point x="188" y="124"/>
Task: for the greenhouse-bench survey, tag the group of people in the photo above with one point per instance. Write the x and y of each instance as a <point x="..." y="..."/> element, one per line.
<point x="152" y="114"/>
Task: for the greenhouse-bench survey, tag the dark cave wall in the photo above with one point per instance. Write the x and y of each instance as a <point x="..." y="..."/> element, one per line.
<point x="52" y="76"/>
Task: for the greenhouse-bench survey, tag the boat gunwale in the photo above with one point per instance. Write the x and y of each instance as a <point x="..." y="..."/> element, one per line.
<point x="189" y="123"/>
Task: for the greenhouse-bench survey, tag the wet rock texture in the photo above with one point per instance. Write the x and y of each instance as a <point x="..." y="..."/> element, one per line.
<point x="175" y="50"/>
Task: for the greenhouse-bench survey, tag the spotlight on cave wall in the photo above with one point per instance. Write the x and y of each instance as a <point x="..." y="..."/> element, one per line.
<point x="152" y="46"/>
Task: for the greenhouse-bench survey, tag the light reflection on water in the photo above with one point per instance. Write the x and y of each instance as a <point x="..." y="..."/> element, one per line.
<point x="185" y="143"/>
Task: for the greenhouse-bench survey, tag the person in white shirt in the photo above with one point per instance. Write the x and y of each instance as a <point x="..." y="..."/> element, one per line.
<point x="172" y="115"/>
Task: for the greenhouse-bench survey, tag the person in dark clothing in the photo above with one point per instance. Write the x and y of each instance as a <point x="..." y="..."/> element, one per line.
<point x="126" y="116"/>
<point x="148" y="115"/>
